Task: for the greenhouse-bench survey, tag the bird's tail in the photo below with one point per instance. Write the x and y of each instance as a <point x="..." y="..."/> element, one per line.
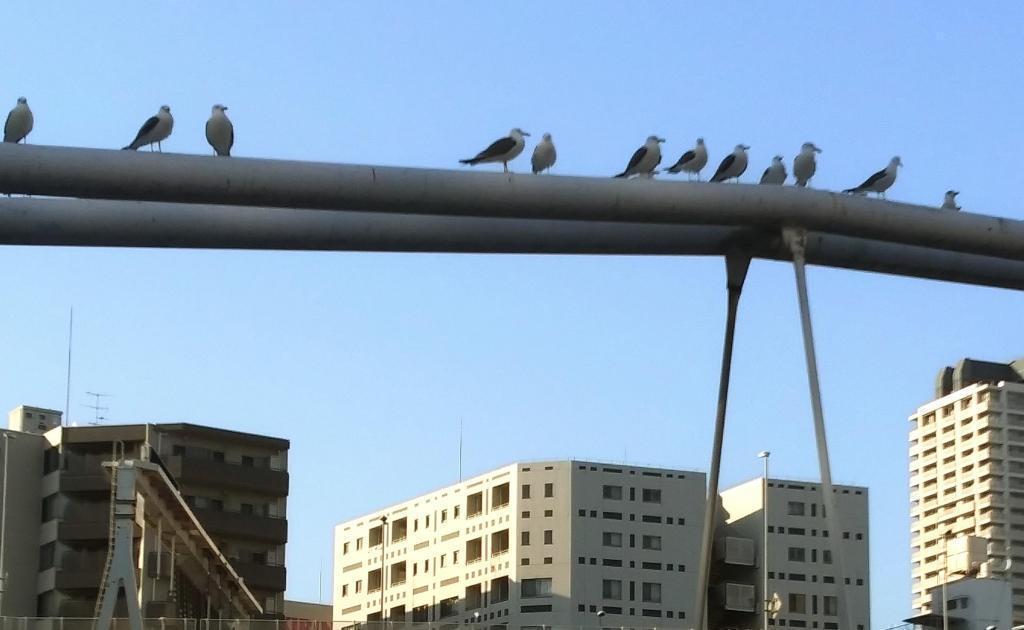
<point x="470" y="161"/>
<point x="672" y="169"/>
<point x="852" y="191"/>
<point x="622" y="174"/>
<point x="800" y="184"/>
<point x="129" y="148"/>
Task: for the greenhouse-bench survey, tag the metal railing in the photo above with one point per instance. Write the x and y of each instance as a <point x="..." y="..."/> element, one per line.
<point x="452" y="623"/>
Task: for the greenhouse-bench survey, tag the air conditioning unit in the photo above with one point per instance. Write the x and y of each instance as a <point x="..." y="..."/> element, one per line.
<point x="739" y="551"/>
<point x="740" y="597"/>
<point x="164" y="564"/>
<point x="966" y="554"/>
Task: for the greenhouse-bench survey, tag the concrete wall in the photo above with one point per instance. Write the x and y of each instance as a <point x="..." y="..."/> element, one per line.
<point x="24" y="466"/>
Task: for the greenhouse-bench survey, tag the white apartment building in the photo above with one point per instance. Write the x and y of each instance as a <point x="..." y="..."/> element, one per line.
<point x="529" y="544"/>
<point x="800" y="565"/>
<point x="967" y="475"/>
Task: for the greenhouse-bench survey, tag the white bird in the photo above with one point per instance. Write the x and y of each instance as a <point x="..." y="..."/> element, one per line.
<point x="544" y="155"/>
<point x="645" y="159"/>
<point x="220" y="133"/>
<point x="693" y="161"/>
<point x="153" y="131"/>
<point x="804" y="164"/>
<point x="19" y="122"/>
<point x="503" y="150"/>
<point x="775" y="173"/>
<point x="949" y="203"/>
<point x="880" y="181"/>
<point x="733" y="165"/>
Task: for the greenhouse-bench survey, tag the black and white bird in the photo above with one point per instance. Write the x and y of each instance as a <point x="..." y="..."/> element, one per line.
<point x="733" y="165"/>
<point x="153" y="131"/>
<point x="544" y="155"/>
<point x="503" y="150"/>
<point x="880" y="181"/>
<point x="775" y="174"/>
<point x="692" y="162"/>
<point x="220" y="133"/>
<point x="804" y="164"/>
<point x="949" y="203"/>
<point x="19" y="122"/>
<point x="645" y="159"/>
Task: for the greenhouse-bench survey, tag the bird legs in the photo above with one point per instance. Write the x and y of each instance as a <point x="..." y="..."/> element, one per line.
<point x="505" y="165"/>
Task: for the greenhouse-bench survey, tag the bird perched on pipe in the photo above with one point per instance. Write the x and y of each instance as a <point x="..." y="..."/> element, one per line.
<point x="220" y="133"/>
<point x="804" y="164"/>
<point x="691" y="162"/>
<point x="949" y="202"/>
<point x="733" y="165"/>
<point x="645" y="159"/>
<point x="775" y="174"/>
<point x="19" y="122"/>
<point x="880" y="181"/>
<point x="503" y="150"/>
<point x="544" y="155"/>
<point x="154" y="131"/>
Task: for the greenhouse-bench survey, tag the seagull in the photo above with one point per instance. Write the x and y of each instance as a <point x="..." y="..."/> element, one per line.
<point x="804" y="164"/>
<point x="880" y="181"/>
<point x="220" y="133"/>
<point x="776" y="173"/>
<point x="544" y="155"/>
<point x="733" y="165"/>
<point x="19" y="122"/>
<point x="153" y="131"/>
<point x="503" y="150"/>
<point x="693" y="161"/>
<point x="645" y="159"/>
<point x="949" y="203"/>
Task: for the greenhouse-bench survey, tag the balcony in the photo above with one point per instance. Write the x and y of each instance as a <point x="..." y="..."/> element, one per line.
<point x="87" y="530"/>
<point x="80" y="569"/>
<point x="246" y="526"/>
<point x="264" y="577"/>
<point x="84" y="482"/>
<point x="214" y="474"/>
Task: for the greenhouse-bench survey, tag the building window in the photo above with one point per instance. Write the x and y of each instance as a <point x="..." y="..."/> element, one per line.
<point x="344" y="549"/>
<point x="651" y="592"/>
<point x="795" y="508"/>
<point x="474" y="504"/>
<point x="359" y="543"/>
<point x="344" y="590"/>
<point x="611" y="589"/>
<point x="499" y="542"/>
<point x="499" y="496"/>
<point x="651" y="542"/>
<point x="526" y="491"/>
<point x="475" y="549"/>
<point x="525" y="539"/>
<point x="826" y="556"/>
<point x="448" y="607"/>
<point x="526" y="514"/>
<point x="615" y="516"/>
<point x="651" y="495"/>
<point x="611" y="539"/>
<point x="548" y="536"/>
<point x="798" y="603"/>
<point x="499" y="590"/>
<point x="444" y="519"/>
<point x="612" y="492"/>
<point x="549" y="513"/>
<point x="359" y="586"/>
<point x="797" y="554"/>
<point x="831" y="607"/>
<point x="549" y="490"/>
<point x="535" y="587"/>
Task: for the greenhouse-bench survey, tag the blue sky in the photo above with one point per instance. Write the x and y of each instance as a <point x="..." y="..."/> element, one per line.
<point x="540" y="357"/>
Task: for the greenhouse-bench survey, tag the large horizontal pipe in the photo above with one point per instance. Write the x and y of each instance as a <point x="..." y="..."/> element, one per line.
<point x="106" y="174"/>
<point x="97" y="223"/>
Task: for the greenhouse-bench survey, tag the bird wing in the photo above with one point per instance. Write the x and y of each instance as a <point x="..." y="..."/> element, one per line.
<point x="637" y="156"/>
<point x="686" y="157"/>
<point x="7" y="127"/>
<point x="209" y="136"/>
<point x="869" y="182"/>
<point x="498" y="147"/>
<point x="764" y="177"/>
<point x="724" y="166"/>
<point x="147" y="126"/>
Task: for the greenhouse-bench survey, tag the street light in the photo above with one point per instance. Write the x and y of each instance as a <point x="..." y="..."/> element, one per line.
<point x="764" y="545"/>
<point x="8" y="436"/>
<point x="383" y="543"/>
<point x="600" y="616"/>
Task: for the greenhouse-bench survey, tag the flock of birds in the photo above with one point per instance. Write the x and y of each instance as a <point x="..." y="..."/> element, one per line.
<point x="220" y="133"/>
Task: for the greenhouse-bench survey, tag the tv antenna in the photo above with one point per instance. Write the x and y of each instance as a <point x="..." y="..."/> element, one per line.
<point x="97" y="408"/>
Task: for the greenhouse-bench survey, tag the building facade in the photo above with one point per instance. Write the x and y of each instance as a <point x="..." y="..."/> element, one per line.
<point x="800" y="564"/>
<point x="529" y="544"/>
<point x="967" y="475"/>
<point x="235" y="483"/>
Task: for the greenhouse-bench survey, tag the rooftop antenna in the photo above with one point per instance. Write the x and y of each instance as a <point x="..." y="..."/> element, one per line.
<point x="97" y="407"/>
<point x="460" y="450"/>
<point x="67" y="383"/>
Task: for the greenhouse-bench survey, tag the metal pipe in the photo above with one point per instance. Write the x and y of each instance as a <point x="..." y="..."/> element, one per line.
<point x="107" y="174"/>
<point x="736" y="265"/>
<point x="97" y="223"/>
<point x="796" y="240"/>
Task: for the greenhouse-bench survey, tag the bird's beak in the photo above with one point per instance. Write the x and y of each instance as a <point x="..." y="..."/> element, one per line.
<point x="746" y="148"/>
<point x="526" y="133"/>
<point x="225" y="108"/>
<point x="817" y="150"/>
<point x="661" y="139"/>
<point x="956" y="192"/>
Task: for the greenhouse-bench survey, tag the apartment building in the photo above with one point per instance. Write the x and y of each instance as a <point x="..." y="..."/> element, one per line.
<point x="235" y="483"/>
<point x="529" y="544"/>
<point x="798" y="556"/>
<point x="967" y="475"/>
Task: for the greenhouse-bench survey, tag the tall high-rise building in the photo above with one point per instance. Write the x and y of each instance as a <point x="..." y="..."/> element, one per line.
<point x="967" y="475"/>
